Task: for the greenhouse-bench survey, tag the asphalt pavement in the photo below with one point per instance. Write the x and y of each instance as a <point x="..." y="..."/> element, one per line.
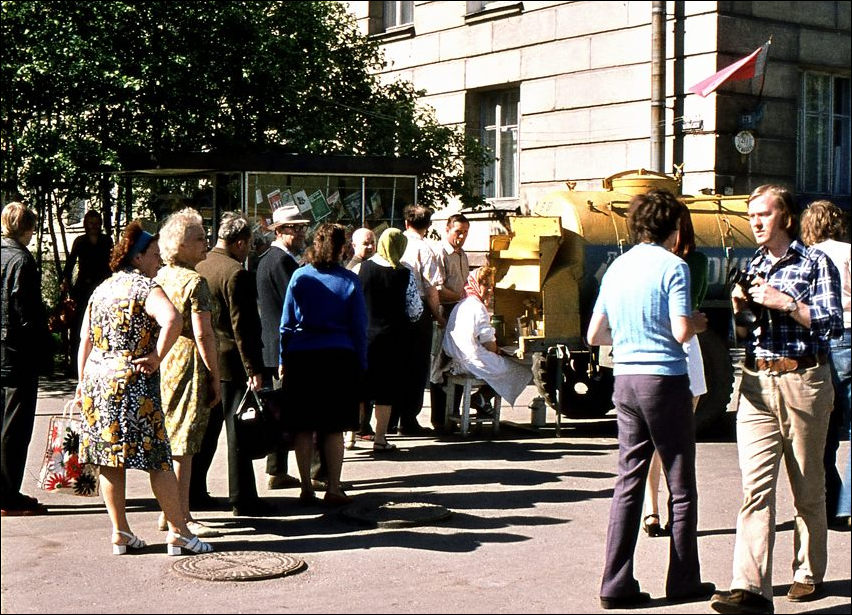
<point x="526" y="533"/>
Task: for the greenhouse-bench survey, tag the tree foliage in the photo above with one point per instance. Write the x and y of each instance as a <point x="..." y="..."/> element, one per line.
<point x="83" y="82"/>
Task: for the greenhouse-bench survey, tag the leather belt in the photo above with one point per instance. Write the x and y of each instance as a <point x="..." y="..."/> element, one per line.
<point x="782" y="365"/>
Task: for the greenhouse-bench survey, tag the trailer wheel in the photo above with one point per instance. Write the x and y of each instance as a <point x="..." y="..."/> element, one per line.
<point x="719" y="374"/>
<point x="582" y="396"/>
<point x="543" y="378"/>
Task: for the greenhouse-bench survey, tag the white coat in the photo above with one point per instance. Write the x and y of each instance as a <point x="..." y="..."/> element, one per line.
<point x="468" y="327"/>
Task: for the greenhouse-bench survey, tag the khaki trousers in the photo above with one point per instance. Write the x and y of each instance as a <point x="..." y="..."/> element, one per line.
<point x="782" y="416"/>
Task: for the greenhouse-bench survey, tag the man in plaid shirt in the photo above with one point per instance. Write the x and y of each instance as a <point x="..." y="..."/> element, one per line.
<point x="786" y="397"/>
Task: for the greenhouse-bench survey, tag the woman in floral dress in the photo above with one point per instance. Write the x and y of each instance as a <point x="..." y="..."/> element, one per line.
<point x="129" y="325"/>
<point x="190" y="371"/>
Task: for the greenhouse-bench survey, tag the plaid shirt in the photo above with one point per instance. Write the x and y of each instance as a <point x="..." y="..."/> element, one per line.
<point x="809" y="277"/>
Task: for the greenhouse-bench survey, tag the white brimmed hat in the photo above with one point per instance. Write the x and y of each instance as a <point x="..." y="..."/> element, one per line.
<point x="287" y="215"/>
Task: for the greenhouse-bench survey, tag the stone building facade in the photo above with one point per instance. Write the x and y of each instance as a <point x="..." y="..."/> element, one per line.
<point x="562" y="91"/>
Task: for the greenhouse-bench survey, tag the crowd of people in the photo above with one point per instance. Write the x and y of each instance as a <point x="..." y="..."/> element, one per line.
<point x="172" y="341"/>
<point x="172" y="336"/>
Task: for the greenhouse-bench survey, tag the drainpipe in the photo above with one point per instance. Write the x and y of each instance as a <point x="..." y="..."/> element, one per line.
<point x="658" y="86"/>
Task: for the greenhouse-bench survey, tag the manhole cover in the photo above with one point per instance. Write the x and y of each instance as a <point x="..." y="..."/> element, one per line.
<point x="238" y="565"/>
<point x="396" y="514"/>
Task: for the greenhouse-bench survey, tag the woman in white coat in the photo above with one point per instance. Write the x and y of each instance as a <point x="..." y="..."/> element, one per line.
<point x="471" y="341"/>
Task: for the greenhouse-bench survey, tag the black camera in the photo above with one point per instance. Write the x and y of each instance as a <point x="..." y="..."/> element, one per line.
<point x="753" y="312"/>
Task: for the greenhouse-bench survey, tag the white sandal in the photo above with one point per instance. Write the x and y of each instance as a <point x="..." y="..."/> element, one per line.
<point x="193" y="545"/>
<point x="133" y="542"/>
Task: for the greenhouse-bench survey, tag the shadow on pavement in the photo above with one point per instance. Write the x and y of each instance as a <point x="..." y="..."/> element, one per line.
<point x="475" y="476"/>
<point x="464" y="542"/>
<point x="451" y="449"/>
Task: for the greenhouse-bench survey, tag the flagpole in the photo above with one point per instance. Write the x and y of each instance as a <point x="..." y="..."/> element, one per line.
<point x="763" y="76"/>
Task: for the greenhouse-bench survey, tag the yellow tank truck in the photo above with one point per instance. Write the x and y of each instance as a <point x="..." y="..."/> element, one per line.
<point x="549" y="269"/>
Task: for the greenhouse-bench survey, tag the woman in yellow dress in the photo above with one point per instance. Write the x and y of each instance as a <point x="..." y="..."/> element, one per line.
<point x="189" y="381"/>
<point x="128" y="326"/>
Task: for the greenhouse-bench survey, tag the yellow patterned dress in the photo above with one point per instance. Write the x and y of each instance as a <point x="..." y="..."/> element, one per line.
<point x="184" y="384"/>
<point x="123" y="423"/>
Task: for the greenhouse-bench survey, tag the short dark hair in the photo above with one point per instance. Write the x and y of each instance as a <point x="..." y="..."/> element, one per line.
<point x="784" y="201"/>
<point x="457" y="218"/>
<point x="93" y="213"/>
<point x="418" y="217"/>
<point x="328" y="243"/>
<point x="653" y="216"/>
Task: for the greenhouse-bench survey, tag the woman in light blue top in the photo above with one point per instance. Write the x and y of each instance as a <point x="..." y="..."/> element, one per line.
<point x="643" y="310"/>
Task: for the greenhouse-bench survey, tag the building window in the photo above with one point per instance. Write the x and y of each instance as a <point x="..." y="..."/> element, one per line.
<point x="391" y="21"/>
<point x="824" y="135"/>
<point x="397" y="14"/>
<point x="484" y="10"/>
<point x="498" y="122"/>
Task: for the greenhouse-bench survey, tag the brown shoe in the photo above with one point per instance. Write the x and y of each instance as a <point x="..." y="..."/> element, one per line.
<point x="803" y="592"/>
<point x="741" y="601"/>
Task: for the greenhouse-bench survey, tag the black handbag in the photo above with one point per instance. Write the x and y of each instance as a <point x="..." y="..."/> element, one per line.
<point x="257" y="426"/>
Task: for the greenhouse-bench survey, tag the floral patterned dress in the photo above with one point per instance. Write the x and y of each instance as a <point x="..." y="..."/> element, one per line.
<point x="184" y="384"/>
<point x="123" y="422"/>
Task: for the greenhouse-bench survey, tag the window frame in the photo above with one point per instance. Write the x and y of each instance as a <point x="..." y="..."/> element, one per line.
<point x="477" y="11"/>
<point x="398" y="13"/>
<point x="381" y="31"/>
<point x="493" y="99"/>
<point x="830" y="136"/>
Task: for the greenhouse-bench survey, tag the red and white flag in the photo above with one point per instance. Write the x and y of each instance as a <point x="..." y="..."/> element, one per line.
<point x="748" y="67"/>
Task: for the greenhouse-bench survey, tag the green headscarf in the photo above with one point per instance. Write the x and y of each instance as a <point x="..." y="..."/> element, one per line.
<point x="392" y="246"/>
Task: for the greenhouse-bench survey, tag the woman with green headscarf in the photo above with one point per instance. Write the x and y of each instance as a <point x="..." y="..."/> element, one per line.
<point x="392" y="304"/>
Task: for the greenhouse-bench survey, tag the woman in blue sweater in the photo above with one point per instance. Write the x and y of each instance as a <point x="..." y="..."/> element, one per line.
<point x="323" y="357"/>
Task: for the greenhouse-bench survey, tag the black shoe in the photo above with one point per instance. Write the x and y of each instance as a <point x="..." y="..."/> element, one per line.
<point x="308" y="498"/>
<point x="626" y="602"/>
<point x="256" y="508"/>
<point x="204" y="502"/>
<point x="415" y="430"/>
<point x="741" y="601"/>
<point x="704" y="591"/>
<point x="22" y="506"/>
<point x="477" y="401"/>
<point x="839" y="524"/>
<point x="392" y="431"/>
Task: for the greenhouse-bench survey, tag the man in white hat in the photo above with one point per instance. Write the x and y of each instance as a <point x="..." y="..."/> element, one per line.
<point x="274" y="269"/>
